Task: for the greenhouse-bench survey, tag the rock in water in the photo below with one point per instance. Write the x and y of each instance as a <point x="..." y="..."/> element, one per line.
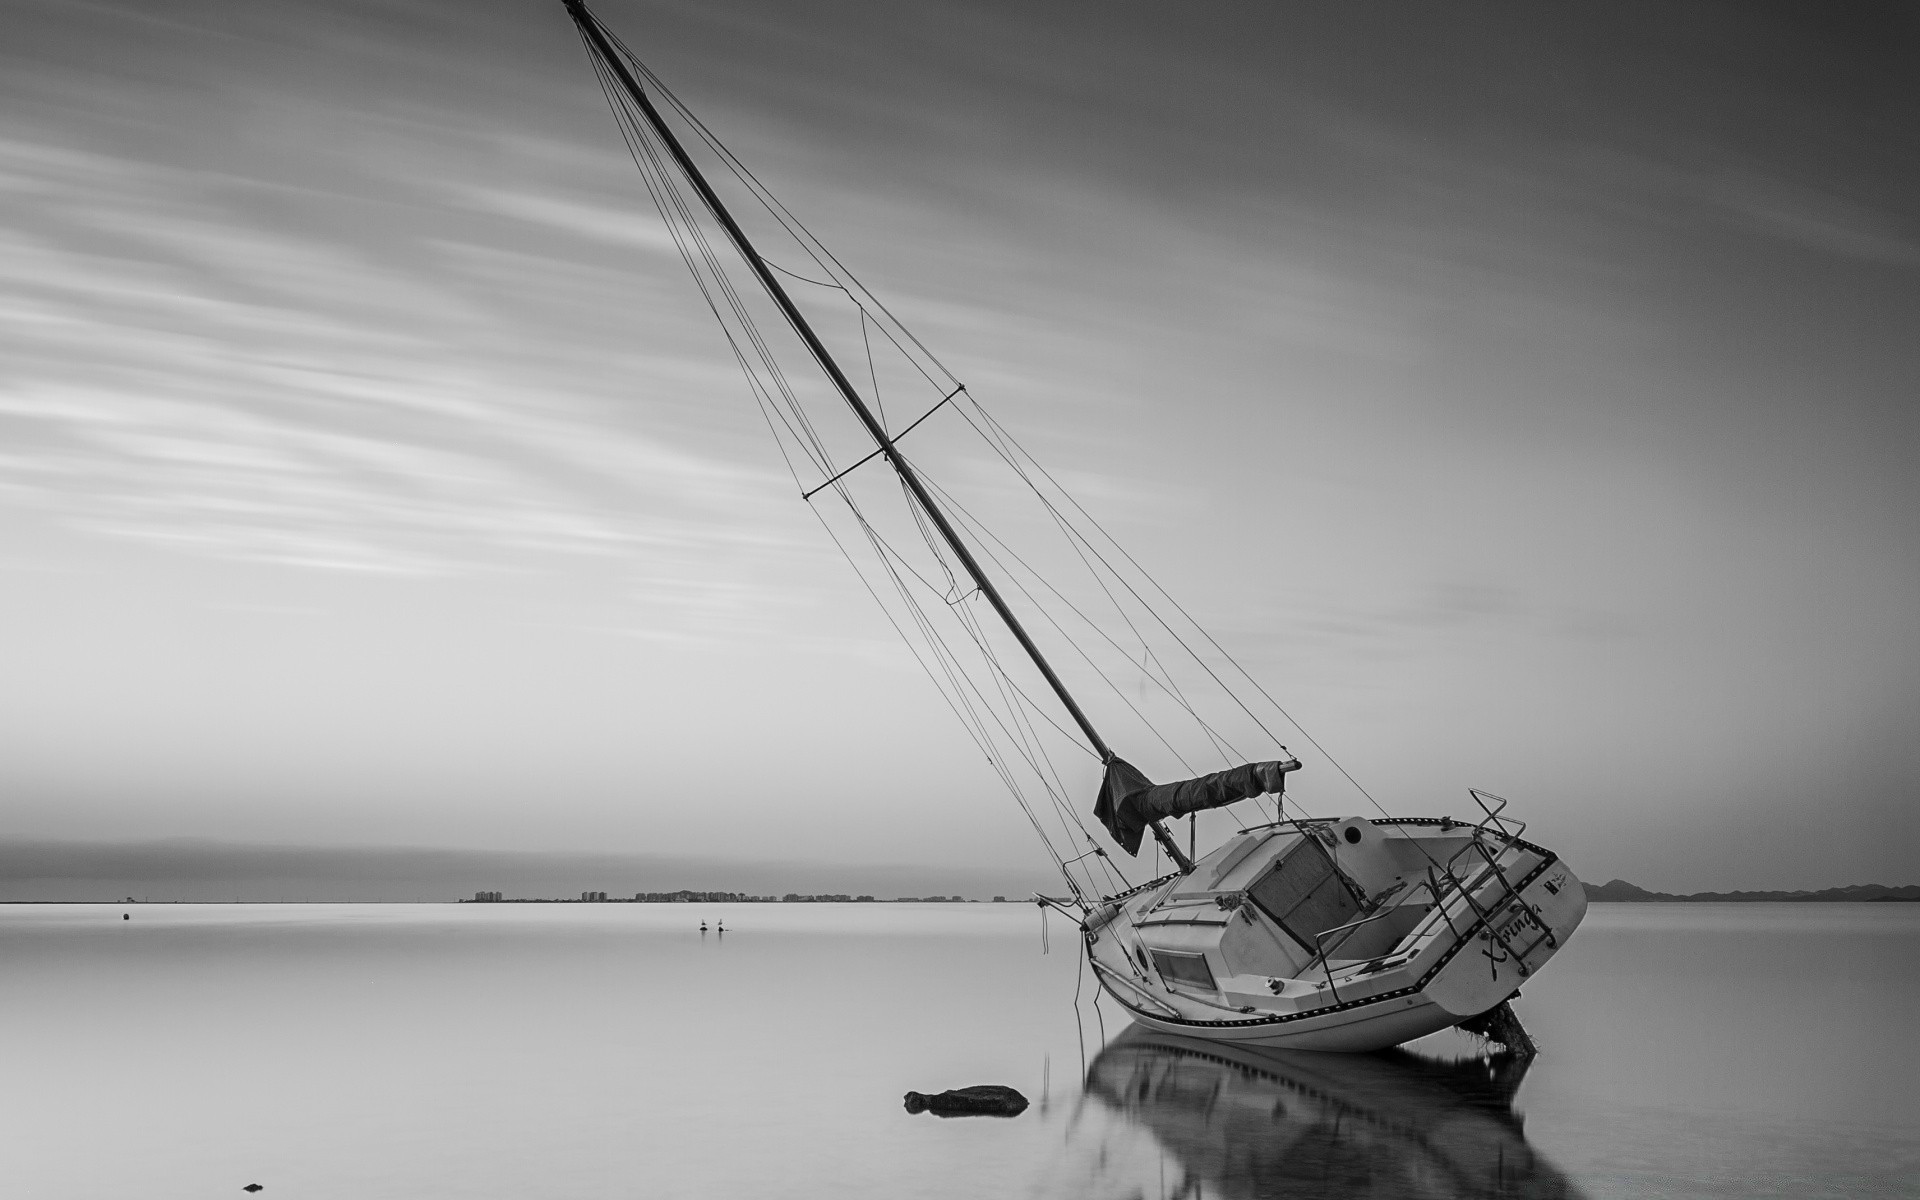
<point x="981" y="1100"/>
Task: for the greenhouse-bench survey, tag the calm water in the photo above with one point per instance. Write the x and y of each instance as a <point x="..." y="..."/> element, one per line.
<point x="611" y="1050"/>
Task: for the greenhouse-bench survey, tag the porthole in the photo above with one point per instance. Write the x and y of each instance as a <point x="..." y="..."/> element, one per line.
<point x="1353" y="834"/>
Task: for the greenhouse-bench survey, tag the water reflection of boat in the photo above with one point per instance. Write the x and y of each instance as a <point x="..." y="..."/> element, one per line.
<point x="1168" y="1116"/>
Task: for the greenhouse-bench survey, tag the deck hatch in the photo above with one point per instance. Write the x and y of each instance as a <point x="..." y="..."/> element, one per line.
<point x="1190" y="969"/>
<point x="1306" y="893"/>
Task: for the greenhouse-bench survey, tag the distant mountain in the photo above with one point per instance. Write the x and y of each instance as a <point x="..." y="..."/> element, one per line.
<point x="1620" y="891"/>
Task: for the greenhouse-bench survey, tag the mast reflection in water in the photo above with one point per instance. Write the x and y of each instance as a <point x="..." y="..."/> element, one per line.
<point x="1177" y="1119"/>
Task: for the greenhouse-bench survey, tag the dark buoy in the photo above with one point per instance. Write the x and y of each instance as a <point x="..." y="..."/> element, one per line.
<point x="254" y="1187"/>
<point x="981" y="1100"/>
<point x="126" y="916"/>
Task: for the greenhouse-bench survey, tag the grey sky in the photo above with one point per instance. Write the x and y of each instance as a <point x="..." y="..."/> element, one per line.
<point x="1527" y="394"/>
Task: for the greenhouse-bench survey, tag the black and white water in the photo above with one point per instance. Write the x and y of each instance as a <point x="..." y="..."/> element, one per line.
<point x="515" y="1051"/>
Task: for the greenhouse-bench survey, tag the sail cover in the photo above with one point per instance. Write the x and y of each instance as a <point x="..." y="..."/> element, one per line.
<point x="1129" y="801"/>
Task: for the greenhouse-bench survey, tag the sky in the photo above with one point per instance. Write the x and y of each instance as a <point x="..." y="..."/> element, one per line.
<point x="1526" y="395"/>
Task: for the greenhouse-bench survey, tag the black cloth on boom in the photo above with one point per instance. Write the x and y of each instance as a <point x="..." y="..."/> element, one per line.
<point x="1129" y="801"/>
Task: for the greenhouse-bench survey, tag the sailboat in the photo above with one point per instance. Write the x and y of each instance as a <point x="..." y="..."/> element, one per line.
<point x="1318" y="932"/>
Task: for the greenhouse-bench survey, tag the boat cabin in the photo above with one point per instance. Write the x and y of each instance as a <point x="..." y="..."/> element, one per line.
<point x="1271" y="901"/>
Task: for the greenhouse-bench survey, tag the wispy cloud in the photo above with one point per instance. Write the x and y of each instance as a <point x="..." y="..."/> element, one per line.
<point x="582" y="219"/>
<point x="187" y="374"/>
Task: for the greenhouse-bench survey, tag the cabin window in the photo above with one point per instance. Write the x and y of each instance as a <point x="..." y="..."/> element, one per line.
<point x="1190" y="969"/>
<point x="1306" y="894"/>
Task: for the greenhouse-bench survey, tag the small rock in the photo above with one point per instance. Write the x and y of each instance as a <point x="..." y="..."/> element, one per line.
<point x="981" y="1100"/>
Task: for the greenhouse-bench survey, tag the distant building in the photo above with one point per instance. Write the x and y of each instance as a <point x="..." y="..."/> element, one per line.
<point x="593" y="897"/>
<point x="999" y="899"/>
<point x="487" y="897"/>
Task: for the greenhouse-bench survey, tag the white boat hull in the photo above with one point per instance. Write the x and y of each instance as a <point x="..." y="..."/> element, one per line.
<point x="1425" y="966"/>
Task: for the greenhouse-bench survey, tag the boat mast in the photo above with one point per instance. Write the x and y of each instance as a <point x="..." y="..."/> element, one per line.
<point x="596" y="37"/>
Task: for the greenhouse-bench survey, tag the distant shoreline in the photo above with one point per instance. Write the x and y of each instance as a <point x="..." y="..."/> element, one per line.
<point x="1619" y="891"/>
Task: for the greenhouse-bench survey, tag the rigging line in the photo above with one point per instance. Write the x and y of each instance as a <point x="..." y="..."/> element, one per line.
<point x="657" y="183"/>
<point x="756" y="386"/>
<point x="1088" y="659"/>
<point x="1164" y="679"/>
<point x="683" y="231"/>
<point x="986" y="535"/>
<point x="1022" y="718"/>
<point x="825" y="283"/>
<point x="873" y="376"/>
<point x="744" y="314"/>
<point x="950" y="666"/>
<point x="1029" y="742"/>
<point x="1019" y="799"/>
<point x="762" y="399"/>
<point x="892" y="441"/>
<point x="792" y="473"/>
<point x="1015" y="742"/>
<point x="796" y="229"/>
<point x="759" y="191"/>
<point x="800" y="327"/>
<point x="762" y="402"/>
<point x="1111" y="540"/>
<point x="788" y="311"/>
<point x="630" y="116"/>
<point x="1002" y="681"/>
<point x="926" y="535"/>
<point x="1079" y="1027"/>
<point x="905" y="565"/>
<point x="754" y="383"/>
<point x="995" y="713"/>
<point x="1144" y="720"/>
<point x="1065" y="810"/>
<point x="1144" y="574"/>
<point x="1062" y="730"/>
<point x="1217" y="739"/>
<point x="761" y="347"/>
<point x="735" y="301"/>
<point x="930" y="636"/>
<point x="732" y="296"/>
<point x="1024" y="706"/>
<point x="1018" y="714"/>
<point x="1148" y="660"/>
